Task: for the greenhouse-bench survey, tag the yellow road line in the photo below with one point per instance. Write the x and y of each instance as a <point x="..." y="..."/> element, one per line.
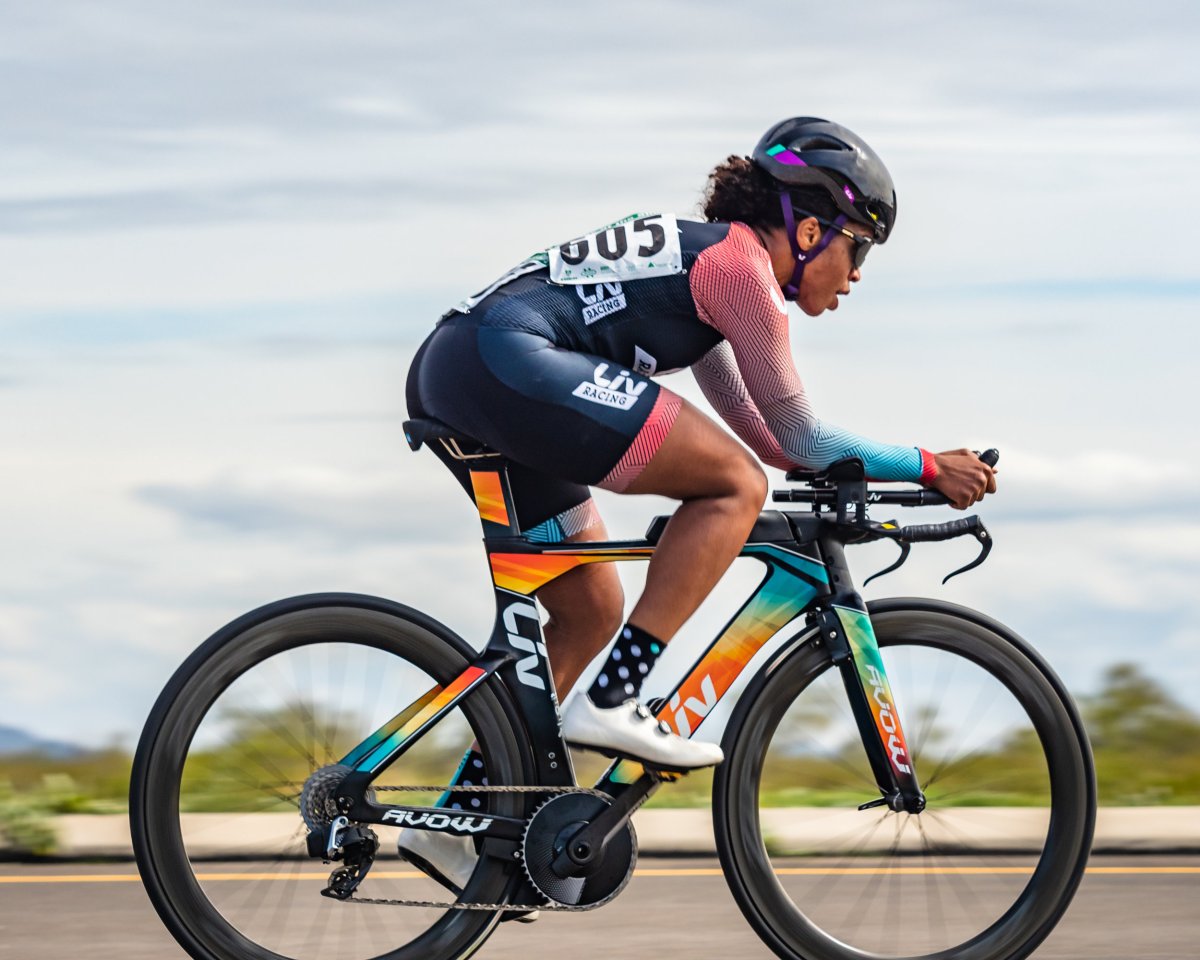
<point x="644" y="872"/>
<point x="902" y="871"/>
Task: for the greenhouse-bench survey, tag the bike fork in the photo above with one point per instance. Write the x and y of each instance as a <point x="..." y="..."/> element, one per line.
<point x="848" y="635"/>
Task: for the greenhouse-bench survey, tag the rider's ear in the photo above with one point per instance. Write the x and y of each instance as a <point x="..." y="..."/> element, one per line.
<point x="808" y="232"/>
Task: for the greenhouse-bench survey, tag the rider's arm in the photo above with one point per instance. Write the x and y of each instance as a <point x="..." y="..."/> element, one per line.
<point x="717" y="374"/>
<point x="736" y="293"/>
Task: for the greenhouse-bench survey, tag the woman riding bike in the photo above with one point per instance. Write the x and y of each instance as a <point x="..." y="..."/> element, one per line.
<point x="551" y="366"/>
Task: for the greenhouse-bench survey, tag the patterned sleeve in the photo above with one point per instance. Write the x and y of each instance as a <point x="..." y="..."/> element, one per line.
<point x="736" y="293"/>
<point x="717" y="374"/>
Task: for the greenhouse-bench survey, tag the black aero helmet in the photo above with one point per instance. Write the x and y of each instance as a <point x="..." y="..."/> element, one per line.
<point x="811" y="152"/>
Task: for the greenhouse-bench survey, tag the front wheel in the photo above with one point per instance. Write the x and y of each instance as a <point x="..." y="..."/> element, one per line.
<point x="984" y="873"/>
<point x="265" y="703"/>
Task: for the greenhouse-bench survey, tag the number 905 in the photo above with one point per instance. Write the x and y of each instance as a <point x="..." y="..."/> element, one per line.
<point x="613" y="243"/>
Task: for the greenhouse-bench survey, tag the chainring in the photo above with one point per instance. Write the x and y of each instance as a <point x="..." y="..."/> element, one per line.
<point x="552" y="825"/>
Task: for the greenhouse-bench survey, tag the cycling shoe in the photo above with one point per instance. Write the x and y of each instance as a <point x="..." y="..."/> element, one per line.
<point x="629" y="730"/>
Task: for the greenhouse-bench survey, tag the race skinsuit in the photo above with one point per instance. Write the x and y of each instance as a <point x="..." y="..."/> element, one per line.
<point x="550" y="365"/>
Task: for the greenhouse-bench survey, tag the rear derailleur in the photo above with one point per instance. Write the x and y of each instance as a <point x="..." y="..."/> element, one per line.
<point x="355" y="845"/>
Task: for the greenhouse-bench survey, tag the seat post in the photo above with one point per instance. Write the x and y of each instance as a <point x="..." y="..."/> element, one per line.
<point x="493" y="497"/>
<point x="487" y="468"/>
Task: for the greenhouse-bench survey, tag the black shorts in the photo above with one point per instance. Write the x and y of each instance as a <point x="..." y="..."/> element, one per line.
<point x="566" y="420"/>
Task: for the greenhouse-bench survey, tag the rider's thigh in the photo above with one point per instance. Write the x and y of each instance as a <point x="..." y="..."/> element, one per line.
<point x="588" y="599"/>
<point x="699" y="459"/>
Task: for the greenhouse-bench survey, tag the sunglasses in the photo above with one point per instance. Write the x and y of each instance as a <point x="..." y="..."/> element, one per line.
<point x="862" y="245"/>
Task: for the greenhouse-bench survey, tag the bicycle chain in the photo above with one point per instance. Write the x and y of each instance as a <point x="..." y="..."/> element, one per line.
<point x="490" y="907"/>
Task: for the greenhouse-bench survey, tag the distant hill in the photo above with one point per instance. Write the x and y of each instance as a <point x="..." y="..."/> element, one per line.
<point x="14" y="741"/>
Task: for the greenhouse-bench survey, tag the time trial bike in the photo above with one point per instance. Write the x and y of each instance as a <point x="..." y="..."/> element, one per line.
<point x="309" y="730"/>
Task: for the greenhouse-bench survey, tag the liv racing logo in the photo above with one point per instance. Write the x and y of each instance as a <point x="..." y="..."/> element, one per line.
<point x="603" y="299"/>
<point x="622" y="391"/>
<point x="701" y="708"/>
<point x="527" y="667"/>
<point x="463" y="824"/>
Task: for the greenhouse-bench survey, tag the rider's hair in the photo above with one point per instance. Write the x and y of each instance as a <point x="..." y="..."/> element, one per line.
<point x="740" y="190"/>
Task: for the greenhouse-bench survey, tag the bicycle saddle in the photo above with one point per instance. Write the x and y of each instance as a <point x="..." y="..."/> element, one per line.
<point x="425" y="430"/>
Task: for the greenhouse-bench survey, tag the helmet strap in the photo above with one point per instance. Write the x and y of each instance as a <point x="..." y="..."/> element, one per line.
<point x="791" y="289"/>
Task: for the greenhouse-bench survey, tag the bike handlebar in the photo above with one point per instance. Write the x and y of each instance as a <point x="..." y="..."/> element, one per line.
<point x="825" y="492"/>
<point x="904" y="498"/>
<point x="929" y="532"/>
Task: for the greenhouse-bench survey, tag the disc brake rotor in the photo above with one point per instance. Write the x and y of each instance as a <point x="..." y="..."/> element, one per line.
<point x="552" y="825"/>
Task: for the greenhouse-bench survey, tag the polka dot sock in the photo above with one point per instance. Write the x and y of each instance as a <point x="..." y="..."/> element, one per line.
<point x="628" y="662"/>
<point x="470" y="773"/>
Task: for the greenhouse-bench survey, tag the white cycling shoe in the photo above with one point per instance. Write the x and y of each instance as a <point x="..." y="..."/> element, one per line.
<point x="629" y="730"/>
<point x="449" y="860"/>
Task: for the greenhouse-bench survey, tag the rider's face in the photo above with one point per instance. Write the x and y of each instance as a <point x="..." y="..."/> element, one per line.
<point x="830" y="273"/>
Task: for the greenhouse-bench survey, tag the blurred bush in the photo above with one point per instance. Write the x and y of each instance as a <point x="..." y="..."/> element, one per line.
<point x="1146" y="744"/>
<point x="24" y="825"/>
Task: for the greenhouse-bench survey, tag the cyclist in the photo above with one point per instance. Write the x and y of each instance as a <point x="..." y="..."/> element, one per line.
<point x="552" y="365"/>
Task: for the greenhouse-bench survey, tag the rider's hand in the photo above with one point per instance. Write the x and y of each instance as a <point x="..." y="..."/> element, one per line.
<point x="963" y="477"/>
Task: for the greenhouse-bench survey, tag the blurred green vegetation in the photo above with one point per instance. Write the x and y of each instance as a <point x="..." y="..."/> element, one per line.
<point x="33" y="789"/>
<point x="1146" y="744"/>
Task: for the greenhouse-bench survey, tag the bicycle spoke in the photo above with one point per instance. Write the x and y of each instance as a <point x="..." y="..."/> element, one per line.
<point x="917" y="885"/>
<point x="976" y="718"/>
<point x="936" y="913"/>
<point x="253" y="727"/>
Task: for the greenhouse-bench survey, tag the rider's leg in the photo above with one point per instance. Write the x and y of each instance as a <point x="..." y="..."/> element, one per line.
<point x="722" y="488"/>
<point x="544" y="408"/>
<point x="585" y="608"/>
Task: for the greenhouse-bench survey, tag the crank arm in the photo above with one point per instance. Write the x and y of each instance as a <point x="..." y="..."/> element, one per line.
<point x="580" y="853"/>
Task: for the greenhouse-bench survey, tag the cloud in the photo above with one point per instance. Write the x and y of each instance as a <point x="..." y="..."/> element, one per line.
<point x="275" y="201"/>
<point x="216" y="265"/>
<point x="374" y="153"/>
<point x="325" y="504"/>
<point x="1093" y="483"/>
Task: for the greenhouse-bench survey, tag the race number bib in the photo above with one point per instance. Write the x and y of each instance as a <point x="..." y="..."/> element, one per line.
<point x="631" y="249"/>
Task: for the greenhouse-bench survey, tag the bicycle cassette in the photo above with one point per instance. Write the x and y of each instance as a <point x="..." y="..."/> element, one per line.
<point x="549" y="830"/>
<point x="317" y="804"/>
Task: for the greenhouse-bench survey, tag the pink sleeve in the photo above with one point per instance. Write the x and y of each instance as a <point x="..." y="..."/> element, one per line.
<point x="736" y="293"/>
<point x="717" y="374"/>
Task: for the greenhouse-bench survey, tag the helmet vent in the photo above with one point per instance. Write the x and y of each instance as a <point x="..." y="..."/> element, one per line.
<point x="822" y="143"/>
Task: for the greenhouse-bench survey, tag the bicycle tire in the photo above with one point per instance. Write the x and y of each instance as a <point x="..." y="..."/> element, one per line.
<point x="384" y="633"/>
<point x="874" y="904"/>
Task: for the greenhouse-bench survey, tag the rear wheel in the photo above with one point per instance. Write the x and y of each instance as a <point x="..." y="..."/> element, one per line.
<point x="984" y="873"/>
<point x="261" y="706"/>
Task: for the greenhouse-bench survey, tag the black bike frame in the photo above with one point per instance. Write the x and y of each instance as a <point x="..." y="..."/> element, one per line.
<point x="806" y="573"/>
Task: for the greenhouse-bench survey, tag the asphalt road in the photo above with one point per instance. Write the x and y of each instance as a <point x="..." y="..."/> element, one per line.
<point x="1143" y="907"/>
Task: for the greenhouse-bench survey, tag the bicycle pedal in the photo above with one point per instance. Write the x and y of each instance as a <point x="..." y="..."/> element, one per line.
<point x="663" y="775"/>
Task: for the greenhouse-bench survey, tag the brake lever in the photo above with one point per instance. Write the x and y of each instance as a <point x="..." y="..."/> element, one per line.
<point x="905" y="549"/>
<point x="985" y="543"/>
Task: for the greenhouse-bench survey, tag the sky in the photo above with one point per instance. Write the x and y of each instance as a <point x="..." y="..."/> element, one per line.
<point x="225" y="228"/>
